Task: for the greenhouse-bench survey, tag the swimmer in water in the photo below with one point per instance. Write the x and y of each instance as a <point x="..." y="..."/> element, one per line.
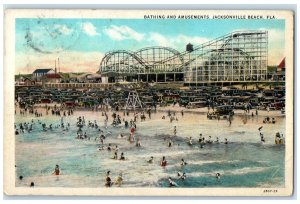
<point x="138" y="142"/>
<point x="171" y="183"/>
<point x="183" y="163"/>
<point x="209" y="141"/>
<point x="163" y="161"/>
<point x="170" y="143"/>
<point x="181" y="175"/>
<point x="119" y="180"/>
<point x="122" y="156"/>
<point x="116" y="148"/>
<point x="190" y="141"/>
<point x="150" y="160"/>
<point x="56" y="170"/>
<point x="262" y="137"/>
<point x="108" y="182"/>
<point x="109" y="147"/>
<point x="115" y="155"/>
<point x="200" y="138"/>
<point x="121" y="136"/>
<point x="218" y="176"/>
<point x="101" y="147"/>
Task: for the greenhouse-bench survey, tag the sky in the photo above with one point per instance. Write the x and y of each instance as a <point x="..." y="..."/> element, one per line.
<point x="80" y="44"/>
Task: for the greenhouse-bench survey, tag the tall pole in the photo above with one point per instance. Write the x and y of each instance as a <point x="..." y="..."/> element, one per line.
<point x="55" y="67"/>
<point x="58" y="66"/>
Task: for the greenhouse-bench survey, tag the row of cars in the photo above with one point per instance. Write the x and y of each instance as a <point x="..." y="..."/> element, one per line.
<point x="206" y="96"/>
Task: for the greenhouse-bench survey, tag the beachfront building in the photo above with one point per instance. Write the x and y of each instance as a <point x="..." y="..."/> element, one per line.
<point x="240" y="56"/>
<point x="53" y="78"/>
<point x="280" y="72"/>
<point x="39" y="74"/>
<point x="89" y="78"/>
<point x="24" y="81"/>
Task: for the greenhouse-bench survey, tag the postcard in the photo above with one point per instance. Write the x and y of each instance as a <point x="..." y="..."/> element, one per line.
<point x="148" y="102"/>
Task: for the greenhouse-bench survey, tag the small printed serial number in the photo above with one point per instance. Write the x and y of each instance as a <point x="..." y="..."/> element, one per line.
<point x="270" y="191"/>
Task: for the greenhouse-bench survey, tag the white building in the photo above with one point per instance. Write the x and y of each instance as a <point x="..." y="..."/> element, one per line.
<point x="39" y="73"/>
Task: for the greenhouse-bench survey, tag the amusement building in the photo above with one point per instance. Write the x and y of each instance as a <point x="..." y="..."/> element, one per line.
<point x="239" y="56"/>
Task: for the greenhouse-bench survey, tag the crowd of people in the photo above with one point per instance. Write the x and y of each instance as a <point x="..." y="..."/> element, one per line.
<point x="129" y="123"/>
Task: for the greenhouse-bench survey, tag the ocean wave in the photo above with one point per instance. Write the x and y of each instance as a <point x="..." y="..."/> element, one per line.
<point x="241" y="171"/>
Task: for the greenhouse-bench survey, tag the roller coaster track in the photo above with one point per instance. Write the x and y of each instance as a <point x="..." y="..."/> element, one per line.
<point x="132" y="54"/>
<point x="229" y="37"/>
<point x="204" y="49"/>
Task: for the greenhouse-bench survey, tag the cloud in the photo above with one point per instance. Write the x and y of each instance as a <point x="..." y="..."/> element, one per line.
<point x="89" y="29"/>
<point x="179" y="42"/>
<point x="158" y="39"/>
<point x="49" y="39"/>
<point x="120" y="33"/>
<point x="32" y="44"/>
<point x="62" y="29"/>
<point x="276" y="44"/>
<point x="70" y="61"/>
<point x="275" y="35"/>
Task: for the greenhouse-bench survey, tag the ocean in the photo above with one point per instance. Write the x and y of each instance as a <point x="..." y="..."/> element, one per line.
<point x="244" y="162"/>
